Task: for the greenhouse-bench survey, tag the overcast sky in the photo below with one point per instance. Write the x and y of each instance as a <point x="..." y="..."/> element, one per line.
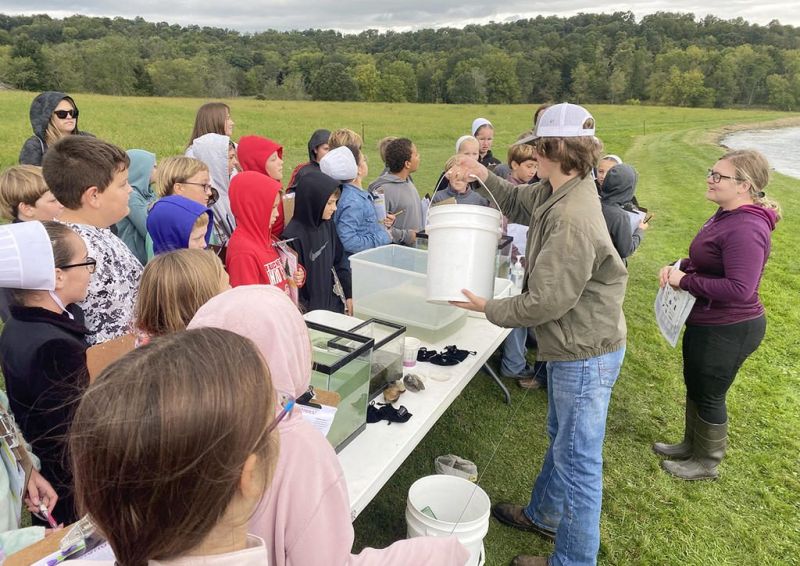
<point x="400" y="15"/>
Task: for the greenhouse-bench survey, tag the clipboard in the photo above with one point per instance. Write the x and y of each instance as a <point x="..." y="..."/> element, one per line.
<point x="322" y="410"/>
<point x="102" y="355"/>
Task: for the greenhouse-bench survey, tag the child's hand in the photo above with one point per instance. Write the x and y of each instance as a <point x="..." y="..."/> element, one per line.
<point x="389" y="220"/>
<point x="40" y="490"/>
<point x="299" y="276"/>
<point x="348" y="307"/>
<point x="644" y="225"/>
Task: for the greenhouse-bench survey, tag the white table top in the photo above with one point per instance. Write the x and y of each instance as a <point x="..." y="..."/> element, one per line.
<point x="371" y="459"/>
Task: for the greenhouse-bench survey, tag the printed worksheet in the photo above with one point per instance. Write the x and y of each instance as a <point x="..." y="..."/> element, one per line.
<point x="672" y="308"/>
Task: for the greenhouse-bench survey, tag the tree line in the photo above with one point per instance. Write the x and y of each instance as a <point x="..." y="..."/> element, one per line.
<point x="664" y="58"/>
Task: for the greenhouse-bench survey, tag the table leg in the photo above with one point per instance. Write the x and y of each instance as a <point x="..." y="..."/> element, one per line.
<point x="493" y="374"/>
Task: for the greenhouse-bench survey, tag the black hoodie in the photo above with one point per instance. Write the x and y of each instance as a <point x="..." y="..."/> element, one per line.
<point x="317" y="244"/>
<point x="318" y="138"/>
<point x="42" y="108"/>
<point x="617" y="200"/>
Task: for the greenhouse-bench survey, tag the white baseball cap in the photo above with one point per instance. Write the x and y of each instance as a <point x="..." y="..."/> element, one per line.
<point x="26" y="257"/>
<point x="563" y="120"/>
<point x="340" y="164"/>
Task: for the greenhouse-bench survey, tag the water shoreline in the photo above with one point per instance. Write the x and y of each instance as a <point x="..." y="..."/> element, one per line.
<point x="770" y="139"/>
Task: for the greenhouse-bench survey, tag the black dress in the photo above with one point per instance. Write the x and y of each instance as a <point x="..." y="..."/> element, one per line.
<point x="43" y="356"/>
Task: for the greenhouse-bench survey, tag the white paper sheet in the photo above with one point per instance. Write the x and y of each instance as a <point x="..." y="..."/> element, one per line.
<point x="672" y="308"/>
<point x="321" y="418"/>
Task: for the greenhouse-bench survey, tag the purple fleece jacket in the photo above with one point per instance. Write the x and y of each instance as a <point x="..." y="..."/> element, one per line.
<point x="725" y="264"/>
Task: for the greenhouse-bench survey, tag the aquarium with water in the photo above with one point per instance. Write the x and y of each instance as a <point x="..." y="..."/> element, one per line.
<point x="387" y="355"/>
<point x="342" y="363"/>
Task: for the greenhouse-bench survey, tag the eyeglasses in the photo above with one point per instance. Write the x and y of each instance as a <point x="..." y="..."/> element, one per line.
<point x="288" y="403"/>
<point x="717" y="177"/>
<point x="62" y="114"/>
<point x="90" y="264"/>
<point x="207" y="188"/>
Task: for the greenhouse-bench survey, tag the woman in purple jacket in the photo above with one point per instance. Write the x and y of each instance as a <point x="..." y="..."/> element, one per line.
<point x="723" y="271"/>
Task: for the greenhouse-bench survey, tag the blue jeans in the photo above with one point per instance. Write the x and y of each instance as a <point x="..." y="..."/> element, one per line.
<point x="568" y="492"/>
<point x="514" y="351"/>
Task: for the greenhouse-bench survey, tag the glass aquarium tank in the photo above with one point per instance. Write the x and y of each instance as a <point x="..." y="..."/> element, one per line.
<point x="342" y="364"/>
<point x="387" y="355"/>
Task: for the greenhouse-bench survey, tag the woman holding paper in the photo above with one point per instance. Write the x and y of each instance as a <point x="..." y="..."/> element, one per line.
<point x="305" y="516"/>
<point x="727" y="323"/>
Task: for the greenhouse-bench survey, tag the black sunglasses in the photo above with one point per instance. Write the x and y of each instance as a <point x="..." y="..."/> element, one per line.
<point x="62" y="114"/>
<point x="90" y="264"/>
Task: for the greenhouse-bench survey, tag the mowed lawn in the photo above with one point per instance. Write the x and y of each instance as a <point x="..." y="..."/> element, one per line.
<point x="751" y="515"/>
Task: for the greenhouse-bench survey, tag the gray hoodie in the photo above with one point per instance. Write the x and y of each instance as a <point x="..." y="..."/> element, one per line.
<point x="212" y="149"/>
<point x="42" y="108"/>
<point x="400" y="194"/>
<point x="617" y="200"/>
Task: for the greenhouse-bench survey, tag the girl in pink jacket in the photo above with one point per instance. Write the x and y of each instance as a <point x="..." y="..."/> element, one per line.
<point x="305" y="515"/>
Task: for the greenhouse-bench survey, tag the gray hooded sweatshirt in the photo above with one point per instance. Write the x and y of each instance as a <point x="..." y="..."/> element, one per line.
<point x="400" y="194"/>
<point x="212" y="149"/>
<point x="617" y="200"/>
<point x="42" y="108"/>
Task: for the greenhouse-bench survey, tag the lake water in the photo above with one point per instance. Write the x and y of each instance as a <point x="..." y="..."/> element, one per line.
<point x="781" y="146"/>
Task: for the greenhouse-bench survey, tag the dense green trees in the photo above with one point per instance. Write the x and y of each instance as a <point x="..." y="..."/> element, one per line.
<point x="663" y="58"/>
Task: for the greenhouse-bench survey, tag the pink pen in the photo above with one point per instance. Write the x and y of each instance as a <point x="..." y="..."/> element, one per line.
<point x="47" y="515"/>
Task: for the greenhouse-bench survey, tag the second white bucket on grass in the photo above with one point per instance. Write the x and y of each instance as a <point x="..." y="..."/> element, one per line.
<point x="462" y="247"/>
<point x="460" y="507"/>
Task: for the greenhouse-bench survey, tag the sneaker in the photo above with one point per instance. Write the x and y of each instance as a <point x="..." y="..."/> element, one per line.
<point x="512" y="515"/>
<point x="533" y="383"/>
<point x="524" y="560"/>
<point x="528" y="372"/>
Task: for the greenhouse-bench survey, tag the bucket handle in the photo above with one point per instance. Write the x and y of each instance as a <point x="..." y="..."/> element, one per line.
<point x="430" y="206"/>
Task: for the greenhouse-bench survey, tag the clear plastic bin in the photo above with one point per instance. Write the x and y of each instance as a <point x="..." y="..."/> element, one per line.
<point x="389" y="283"/>
<point x="342" y="362"/>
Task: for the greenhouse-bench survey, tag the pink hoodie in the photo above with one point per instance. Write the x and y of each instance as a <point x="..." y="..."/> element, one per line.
<point x="305" y="515"/>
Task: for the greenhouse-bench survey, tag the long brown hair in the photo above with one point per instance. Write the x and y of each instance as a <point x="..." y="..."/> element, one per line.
<point x="173" y="286"/>
<point x="159" y="441"/>
<point x="210" y="119"/>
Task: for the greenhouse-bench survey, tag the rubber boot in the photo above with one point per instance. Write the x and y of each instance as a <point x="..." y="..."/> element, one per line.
<point x="683" y="449"/>
<point x="710" y="442"/>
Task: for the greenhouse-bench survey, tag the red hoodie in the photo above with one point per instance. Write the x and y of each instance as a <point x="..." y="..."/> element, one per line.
<point x="251" y="258"/>
<point x="253" y="152"/>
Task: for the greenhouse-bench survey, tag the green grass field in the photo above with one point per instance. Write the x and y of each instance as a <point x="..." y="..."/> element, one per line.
<point x="751" y="515"/>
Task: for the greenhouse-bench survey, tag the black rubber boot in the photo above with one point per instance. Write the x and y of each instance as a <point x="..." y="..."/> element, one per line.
<point x="683" y="449"/>
<point x="710" y="442"/>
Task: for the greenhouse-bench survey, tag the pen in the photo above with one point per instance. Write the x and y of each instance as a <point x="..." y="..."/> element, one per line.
<point x="47" y="515"/>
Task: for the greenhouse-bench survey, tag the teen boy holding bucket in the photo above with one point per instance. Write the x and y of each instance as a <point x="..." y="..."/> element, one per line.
<point x="573" y="290"/>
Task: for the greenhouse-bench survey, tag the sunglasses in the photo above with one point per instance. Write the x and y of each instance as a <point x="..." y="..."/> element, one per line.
<point x="90" y="264"/>
<point x="62" y="114"/>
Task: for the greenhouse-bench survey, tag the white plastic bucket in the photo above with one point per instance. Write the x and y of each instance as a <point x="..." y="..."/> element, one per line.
<point x="462" y="247"/>
<point x="461" y="509"/>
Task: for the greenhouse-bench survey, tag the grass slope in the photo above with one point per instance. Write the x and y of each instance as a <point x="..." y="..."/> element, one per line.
<point x="752" y="514"/>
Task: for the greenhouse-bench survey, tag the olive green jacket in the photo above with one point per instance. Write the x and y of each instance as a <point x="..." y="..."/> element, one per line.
<point x="574" y="281"/>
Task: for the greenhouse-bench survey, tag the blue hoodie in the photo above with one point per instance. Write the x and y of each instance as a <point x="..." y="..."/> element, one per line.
<point x="171" y="220"/>
<point x="133" y="229"/>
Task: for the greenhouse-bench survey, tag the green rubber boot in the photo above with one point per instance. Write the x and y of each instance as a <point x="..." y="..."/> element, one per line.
<point x="683" y="449"/>
<point x="710" y="442"/>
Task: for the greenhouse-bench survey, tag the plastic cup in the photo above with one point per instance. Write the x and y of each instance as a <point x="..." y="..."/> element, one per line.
<point x="410" y="349"/>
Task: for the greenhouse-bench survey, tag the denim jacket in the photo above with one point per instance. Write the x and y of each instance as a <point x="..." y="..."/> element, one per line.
<point x="356" y="221"/>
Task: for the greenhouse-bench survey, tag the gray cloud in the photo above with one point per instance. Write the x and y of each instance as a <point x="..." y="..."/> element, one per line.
<point x="401" y="15"/>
